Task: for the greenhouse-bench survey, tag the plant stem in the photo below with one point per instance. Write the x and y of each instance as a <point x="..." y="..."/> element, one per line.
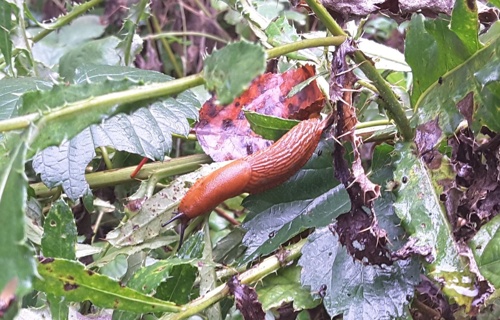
<point x="174" y="34"/>
<point x="64" y="20"/>
<point x="304" y="44"/>
<point x="166" y="47"/>
<point x="259" y="271"/>
<point x="393" y="106"/>
<point x="155" y="90"/>
<point x="117" y="176"/>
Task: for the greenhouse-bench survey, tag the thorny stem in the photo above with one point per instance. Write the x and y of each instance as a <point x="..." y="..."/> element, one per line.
<point x="155" y="90"/>
<point x="392" y="106"/>
<point x="64" y="20"/>
<point x="116" y="176"/>
<point x="259" y="271"/>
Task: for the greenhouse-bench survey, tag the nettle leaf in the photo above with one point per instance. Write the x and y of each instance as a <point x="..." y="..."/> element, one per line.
<point x="59" y="232"/>
<point x="485" y="246"/>
<point x="16" y="258"/>
<point x="351" y="288"/>
<point x="72" y="281"/>
<point x="147" y="132"/>
<point x="11" y="90"/>
<point x="311" y="198"/>
<point x="431" y="50"/>
<point x="230" y="70"/>
<point x="284" y="287"/>
<point x="477" y="78"/>
<point x="424" y="217"/>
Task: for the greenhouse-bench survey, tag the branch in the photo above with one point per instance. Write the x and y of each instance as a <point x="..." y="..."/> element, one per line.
<point x="392" y="105"/>
<point x="259" y="271"/>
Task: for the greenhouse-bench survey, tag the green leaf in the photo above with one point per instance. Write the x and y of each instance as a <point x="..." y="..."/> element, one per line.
<point x="464" y="22"/>
<point x="351" y="288"/>
<point x="71" y="280"/>
<point x="230" y="70"/>
<point x="129" y="28"/>
<point x="55" y="127"/>
<point x="284" y="287"/>
<point x="16" y="258"/>
<point x="311" y="198"/>
<point x="424" y="217"/>
<point x="5" y="29"/>
<point x="479" y="76"/>
<point x="11" y="90"/>
<point x="51" y="48"/>
<point x="485" y="246"/>
<point x="431" y="50"/>
<point x="176" y="277"/>
<point x="59" y="232"/>
<point x="100" y="52"/>
<point x="147" y="131"/>
<point x="269" y="127"/>
<point x="280" y="32"/>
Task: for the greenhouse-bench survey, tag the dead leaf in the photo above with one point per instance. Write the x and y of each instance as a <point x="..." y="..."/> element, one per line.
<point x="225" y="134"/>
<point x="246" y="300"/>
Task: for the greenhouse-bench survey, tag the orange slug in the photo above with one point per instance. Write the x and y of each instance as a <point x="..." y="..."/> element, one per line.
<point x="255" y="173"/>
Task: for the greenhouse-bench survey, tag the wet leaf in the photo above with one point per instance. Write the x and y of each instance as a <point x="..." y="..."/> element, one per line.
<point x="69" y="279"/>
<point x="225" y="134"/>
<point x="350" y="288"/>
<point x="477" y="75"/>
<point x="424" y="217"/>
<point x="443" y="51"/>
<point x="230" y="70"/>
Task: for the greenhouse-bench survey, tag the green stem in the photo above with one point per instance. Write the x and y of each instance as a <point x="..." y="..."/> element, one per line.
<point x="304" y="44"/>
<point x="166" y="47"/>
<point x="173" y="34"/>
<point x="393" y="106"/>
<point x="105" y="158"/>
<point x="155" y="90"/>
<point x="117" y="176"/>
<point x="64" y="20"/>
<point x="259" y="271"/>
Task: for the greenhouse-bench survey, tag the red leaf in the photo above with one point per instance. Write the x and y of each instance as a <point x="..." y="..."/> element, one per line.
<point x="225" y="134"/>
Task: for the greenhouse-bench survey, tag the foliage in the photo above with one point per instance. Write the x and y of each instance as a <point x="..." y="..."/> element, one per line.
<point x="406" y="227"/>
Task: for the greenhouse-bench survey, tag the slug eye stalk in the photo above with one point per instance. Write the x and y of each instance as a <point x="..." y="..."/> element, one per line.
<point x="183" y="223"/>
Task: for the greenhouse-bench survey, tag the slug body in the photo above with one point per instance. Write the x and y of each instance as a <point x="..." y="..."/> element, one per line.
<point x="255" y="173"/>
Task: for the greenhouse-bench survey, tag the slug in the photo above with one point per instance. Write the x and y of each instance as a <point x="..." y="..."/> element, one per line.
<point x="260" y="171"/>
